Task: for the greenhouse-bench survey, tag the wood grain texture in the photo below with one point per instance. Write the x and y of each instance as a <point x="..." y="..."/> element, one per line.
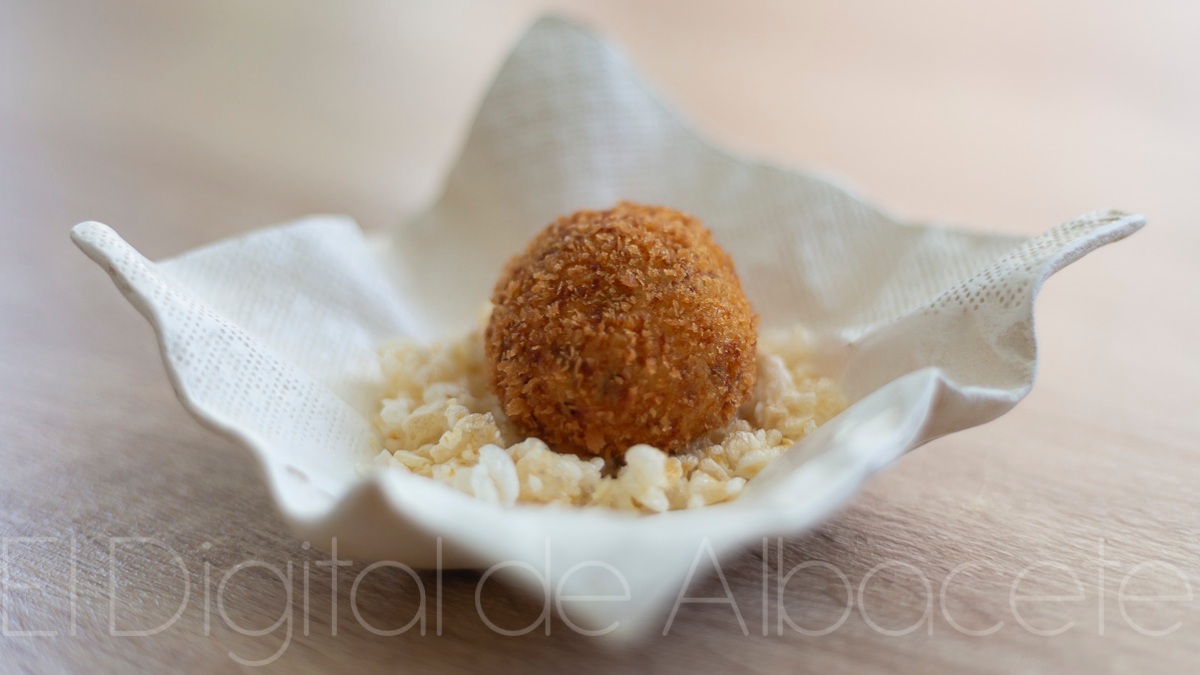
<point x="182" y="125"/>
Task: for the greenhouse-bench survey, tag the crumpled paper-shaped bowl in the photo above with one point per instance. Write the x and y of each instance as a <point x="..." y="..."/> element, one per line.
<point x="271" y="338"/>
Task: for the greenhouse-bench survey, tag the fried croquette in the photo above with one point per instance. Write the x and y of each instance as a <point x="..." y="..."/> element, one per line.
<point x="620" y="327"/>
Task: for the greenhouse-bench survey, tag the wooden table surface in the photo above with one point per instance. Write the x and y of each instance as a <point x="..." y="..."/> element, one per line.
<point x="180" y="125"/>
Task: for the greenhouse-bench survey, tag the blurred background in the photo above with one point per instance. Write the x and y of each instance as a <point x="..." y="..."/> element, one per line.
<point x="179" y="123"/>
<point x="1013" y="115"/>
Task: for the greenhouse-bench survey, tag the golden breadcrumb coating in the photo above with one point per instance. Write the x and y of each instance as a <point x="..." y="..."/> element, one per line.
<point x="620" y="327"/>
<point x="438" y="418"/>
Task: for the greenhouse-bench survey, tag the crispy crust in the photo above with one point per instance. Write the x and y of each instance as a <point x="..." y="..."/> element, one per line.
<point x="621" y="327"/>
